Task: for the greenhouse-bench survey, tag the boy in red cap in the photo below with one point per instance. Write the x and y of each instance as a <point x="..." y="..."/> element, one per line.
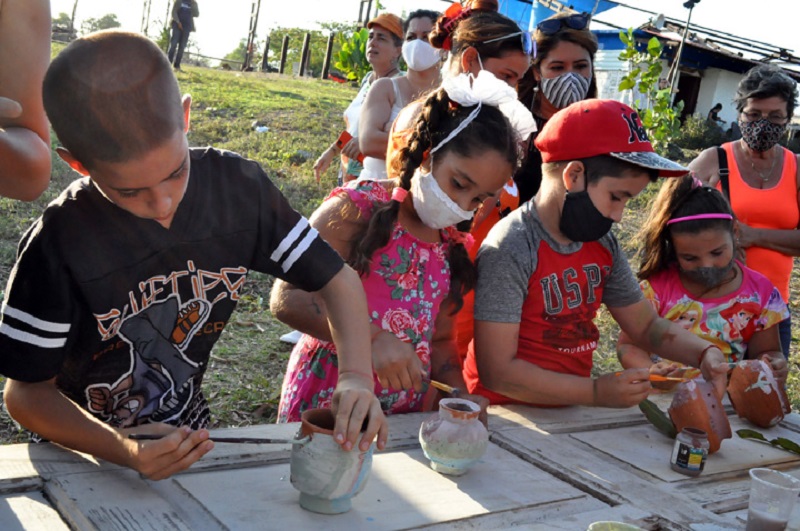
<point x="544" y="270"/>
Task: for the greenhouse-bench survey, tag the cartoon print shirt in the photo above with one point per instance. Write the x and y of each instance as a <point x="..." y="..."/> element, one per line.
<point x="728" y="321"/>
<point x="552" y="290"/>
<point x="408" y="281"/>
<point x="124" y="312"/>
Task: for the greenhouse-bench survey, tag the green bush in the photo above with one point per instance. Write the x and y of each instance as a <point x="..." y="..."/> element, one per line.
<point x="699" y="133"/>
<point x="352" y="57"/>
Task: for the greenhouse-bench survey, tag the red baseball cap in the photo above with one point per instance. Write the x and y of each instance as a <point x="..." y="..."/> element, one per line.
<point x="594" y="127"/>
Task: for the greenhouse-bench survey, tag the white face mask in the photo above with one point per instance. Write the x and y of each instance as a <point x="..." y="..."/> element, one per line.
<point x="434" y="207"/>
<point x="419" y="55"/>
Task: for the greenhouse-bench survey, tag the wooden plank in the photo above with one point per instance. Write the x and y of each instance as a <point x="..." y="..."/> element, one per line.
<point x="45" y="460"/>
<point x="119" y="500"/>
<point x="402" y="492"/>
<point x="30" y="510"/>
<point x="611" y="480"/>
<point x="649" y="451"/>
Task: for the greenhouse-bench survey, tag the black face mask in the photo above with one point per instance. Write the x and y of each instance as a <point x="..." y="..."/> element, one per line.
<point x="580" y="219"/>
<point x="708" y="277"/>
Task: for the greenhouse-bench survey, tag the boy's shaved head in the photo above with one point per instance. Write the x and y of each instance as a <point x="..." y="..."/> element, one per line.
<point x="111" y="96"/>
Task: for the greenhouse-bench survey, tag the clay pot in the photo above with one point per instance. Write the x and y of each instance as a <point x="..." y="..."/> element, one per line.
<point x="454" y="439"/>
<point x="696" y="405"/>
<point x="326" y="476"/>
<point x="756" y="395"/>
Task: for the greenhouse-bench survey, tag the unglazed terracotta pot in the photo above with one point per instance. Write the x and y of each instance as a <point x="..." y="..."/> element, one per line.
<point x="696" y="405"/>
<point x="326" y="476"/>
<point x="756" y="395"/>
<point x="454" y="439"/>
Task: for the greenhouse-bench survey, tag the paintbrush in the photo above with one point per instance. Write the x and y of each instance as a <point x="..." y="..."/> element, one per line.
<point x="659" y="378"/>
<point x="449" y="389"/>
<point x="234" y="440"/>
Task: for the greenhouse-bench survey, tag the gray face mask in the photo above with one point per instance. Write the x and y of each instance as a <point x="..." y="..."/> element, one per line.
<point x="708" y="277"/>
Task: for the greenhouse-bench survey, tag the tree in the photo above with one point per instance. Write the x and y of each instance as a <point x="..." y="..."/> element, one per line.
<point x="96" y="24"/>
<point x="63" y="20"/>
<point x="659" y="117"/>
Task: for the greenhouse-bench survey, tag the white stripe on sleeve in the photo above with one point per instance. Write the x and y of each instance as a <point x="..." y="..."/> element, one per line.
<point x="28" y="319"/>
<point x="299" y="250"/>
<point x="289" y="240"/>
<point x="25" y="337"/>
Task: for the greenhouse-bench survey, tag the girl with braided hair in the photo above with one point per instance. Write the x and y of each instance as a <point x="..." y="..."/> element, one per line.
<point x="690" y="274"/>
<point x="400" y="236"/>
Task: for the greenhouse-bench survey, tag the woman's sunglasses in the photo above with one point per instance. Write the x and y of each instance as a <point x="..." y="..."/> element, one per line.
<point x="528" y="44"/>
<point x="551" y="26"/>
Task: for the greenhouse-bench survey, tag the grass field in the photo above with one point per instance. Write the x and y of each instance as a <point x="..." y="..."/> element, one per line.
<point x="303" y="117"/>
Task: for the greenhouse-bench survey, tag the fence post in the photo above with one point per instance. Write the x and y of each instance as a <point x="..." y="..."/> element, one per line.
<point x="326" y="65"/>
<point x="284" y="50"/>
<point x="264" y="63"/>
<point x="368" y="17"/>
<point x="304" y="54"/>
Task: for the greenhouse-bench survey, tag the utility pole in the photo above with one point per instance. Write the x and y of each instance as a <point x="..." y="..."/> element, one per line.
<point x="675" y="70"/>
<point x="146" y="16"/>
<point x="72" y="20"/>
<point x="251" y="34"/>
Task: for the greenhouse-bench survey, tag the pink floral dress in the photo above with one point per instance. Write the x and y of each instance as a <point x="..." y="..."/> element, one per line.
<point x="408" y="281"/>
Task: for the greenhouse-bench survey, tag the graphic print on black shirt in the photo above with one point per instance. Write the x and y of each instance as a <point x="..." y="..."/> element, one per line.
<point x="160" y="383"/>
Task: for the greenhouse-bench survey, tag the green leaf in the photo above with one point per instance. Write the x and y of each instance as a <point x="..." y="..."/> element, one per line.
<point x="626" y="84"/>
<point x="317" y="369"/>
<point x="658" y="418"/>
<point x="779" y="442"/>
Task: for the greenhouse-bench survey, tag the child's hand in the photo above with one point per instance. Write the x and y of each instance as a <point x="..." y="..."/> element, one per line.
<point x="179" y="449"/>
<point x="622" y="389"/>
<point x="354" y="401"/>
<point x="351" y="149"/>
<point x="396" y="362"/>
<point x="715" y="370"/>
<point x="779" y="366"/>
<point x="323" y="163"/>
<point x="666" y="368"/>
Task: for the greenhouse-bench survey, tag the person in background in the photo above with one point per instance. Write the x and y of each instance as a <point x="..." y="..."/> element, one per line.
<point x="545" y="269"/>
<point x="24" y="131"/>
<point x="763" y="183"/>
<point x="713" y="115"/>
<point x="384" y="48"/>
<point x="562" y="73"/>
<point x="401" y="236"/>
<point x="123" y="286"/>
<point x="183" y="14"/>
<point x="691" y="277"/>
<point x="388" y="96"/>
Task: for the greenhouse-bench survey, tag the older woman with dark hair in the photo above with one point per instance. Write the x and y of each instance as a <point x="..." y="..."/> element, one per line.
<point x="762" y="179"/>
<point x="562" y="73"/>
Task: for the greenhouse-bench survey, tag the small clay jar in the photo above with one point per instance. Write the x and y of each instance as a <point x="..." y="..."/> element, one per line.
<point x="696" y="405"/>
<point x="756" y="395"/>
<point x="454" y="438"/>
<point x="326" y="476"/>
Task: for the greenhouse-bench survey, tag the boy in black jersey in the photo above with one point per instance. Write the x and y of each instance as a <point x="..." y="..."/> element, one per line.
<point x="125" y="283"/>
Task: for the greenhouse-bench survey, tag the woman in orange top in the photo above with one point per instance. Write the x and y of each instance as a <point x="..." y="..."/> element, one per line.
<point x="764" y="184"/>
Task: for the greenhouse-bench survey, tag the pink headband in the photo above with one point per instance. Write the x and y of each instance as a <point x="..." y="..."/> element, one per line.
<point x="399" y="194"/>
<point x="699" y="216"/>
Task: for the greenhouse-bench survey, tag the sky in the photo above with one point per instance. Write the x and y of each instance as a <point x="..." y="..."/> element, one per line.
<point x="223" y="23"/>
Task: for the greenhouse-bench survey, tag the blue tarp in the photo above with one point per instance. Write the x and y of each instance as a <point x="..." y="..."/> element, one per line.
<point x="526" y="14"/>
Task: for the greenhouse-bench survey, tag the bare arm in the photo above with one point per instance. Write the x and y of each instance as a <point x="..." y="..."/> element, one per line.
<point x="503" y="372"/>
<point x="667" y="339"/>
<point x="631" y="356"/>
<point x="42" y="408"/>
<point x="374" y="125"/>
<point x="24" y="130"/>
<point x="706" y="167"/>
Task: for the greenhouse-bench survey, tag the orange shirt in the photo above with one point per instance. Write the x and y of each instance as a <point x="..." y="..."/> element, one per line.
<point x="770" y="208"/>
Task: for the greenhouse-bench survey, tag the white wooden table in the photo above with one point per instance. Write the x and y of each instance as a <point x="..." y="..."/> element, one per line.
<point x="545" y="469"/>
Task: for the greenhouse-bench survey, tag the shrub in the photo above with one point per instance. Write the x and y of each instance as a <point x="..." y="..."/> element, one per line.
<point x="699" y="133"/>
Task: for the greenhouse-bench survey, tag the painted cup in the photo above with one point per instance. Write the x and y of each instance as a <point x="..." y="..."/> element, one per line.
<point x="454" y="439"/>
<point x="326" y="476"/>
